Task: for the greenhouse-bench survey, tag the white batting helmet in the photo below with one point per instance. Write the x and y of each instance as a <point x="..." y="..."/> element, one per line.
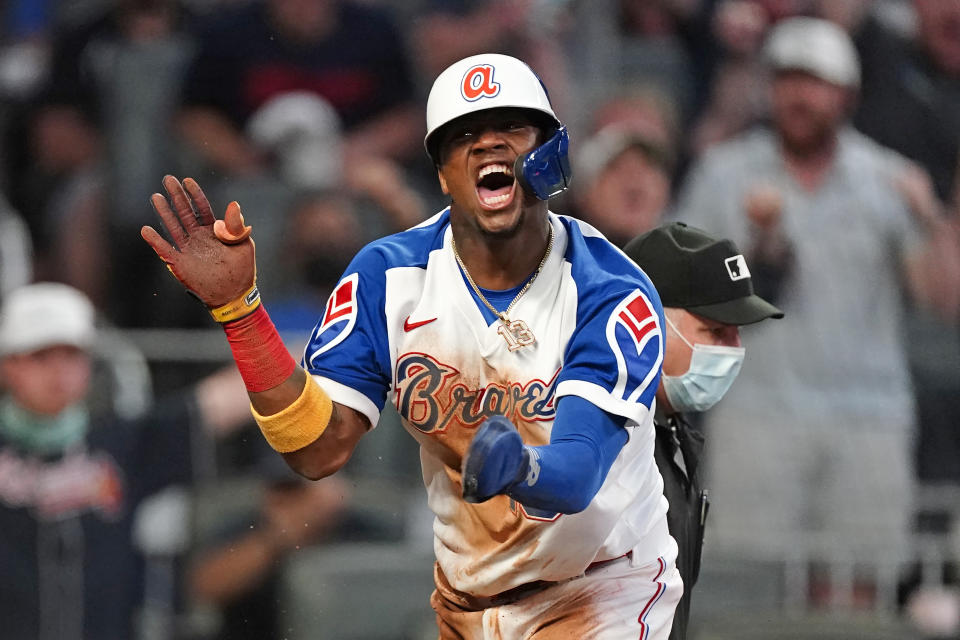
<point x="480" y="82"/>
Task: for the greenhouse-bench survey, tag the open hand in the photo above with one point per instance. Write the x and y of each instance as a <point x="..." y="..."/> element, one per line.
<point x="214" y="259"/>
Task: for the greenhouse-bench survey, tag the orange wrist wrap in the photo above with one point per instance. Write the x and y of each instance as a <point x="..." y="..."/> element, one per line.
<point x="260" y="354"/>
<point x="236" y="309"/>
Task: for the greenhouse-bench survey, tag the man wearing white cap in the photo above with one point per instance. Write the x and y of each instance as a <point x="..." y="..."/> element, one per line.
<point x="521" y="349"/>
<point x="812" y="448"/>
<point x="70" y="481"/>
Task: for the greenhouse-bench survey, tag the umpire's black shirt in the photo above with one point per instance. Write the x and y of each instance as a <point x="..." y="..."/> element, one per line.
<point x="678" y="451"/>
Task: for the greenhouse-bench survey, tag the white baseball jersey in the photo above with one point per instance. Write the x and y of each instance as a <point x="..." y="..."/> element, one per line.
<point x="404" y="326"/>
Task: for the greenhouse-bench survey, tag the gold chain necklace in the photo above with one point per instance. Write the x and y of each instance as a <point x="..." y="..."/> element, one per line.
<point x="515" y="332"/>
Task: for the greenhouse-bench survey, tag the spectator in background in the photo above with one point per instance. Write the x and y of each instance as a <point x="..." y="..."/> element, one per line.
<point x="447" y="31"/>
<point x="322" y="235"/>
<point x="737" y="91"/>
<point x="103" y="118"/>
<point x="737" y="76"/>
<point x="665" y="43"/>
<point x="303" y="135"/>
<point x="239" y="571"/>
<point x="815" y="454"/>
<point x="911" y="88"/>
<point x="25" y="34"/>
<point x="70" y="481"/>
<point x="913" y="80"/>
<point x="66" y="180"/>
<point x="624" y="170"/>
<point x="293" y="96"/>
<point x="623" y="183"/>
<point x="121" y="72"/>
<point x="642" y="109"/>
<point x="349" y="54"/>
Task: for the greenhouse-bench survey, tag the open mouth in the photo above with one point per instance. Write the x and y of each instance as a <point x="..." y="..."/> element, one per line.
<point x="495" y="185"/>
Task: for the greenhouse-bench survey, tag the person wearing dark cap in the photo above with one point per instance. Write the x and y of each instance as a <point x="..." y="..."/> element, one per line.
<point x="707" y="294"/>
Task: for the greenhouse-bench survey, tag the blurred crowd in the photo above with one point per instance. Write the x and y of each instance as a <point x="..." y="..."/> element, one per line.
<point x="827" y="148"/>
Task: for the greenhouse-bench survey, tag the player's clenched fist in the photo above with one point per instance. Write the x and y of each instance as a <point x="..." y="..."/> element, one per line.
<point x="496" y="460"/>
<point x="213" y="259"/>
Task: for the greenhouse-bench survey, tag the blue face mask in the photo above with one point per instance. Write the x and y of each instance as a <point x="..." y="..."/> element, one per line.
<point x="712" y="370"/>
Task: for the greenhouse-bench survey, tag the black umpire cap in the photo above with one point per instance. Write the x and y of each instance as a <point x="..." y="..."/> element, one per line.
<point x="703" y="275"/>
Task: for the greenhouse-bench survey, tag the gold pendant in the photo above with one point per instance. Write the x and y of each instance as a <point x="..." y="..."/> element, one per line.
<point x="516" y="333"/>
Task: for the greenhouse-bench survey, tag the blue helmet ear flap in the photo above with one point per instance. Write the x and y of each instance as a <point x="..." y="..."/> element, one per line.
<point x="545" y="171"/>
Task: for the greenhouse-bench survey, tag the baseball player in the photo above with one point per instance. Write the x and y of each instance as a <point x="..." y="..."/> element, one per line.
<point x="521" y="349"/>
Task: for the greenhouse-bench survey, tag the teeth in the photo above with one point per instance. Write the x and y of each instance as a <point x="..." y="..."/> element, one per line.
<point x="493" y="200"/>
<point x="495" y="168"/>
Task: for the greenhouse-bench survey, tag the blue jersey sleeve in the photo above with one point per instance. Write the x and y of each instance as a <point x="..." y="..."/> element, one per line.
<point x="614" y="356"/>
<point x="349" y="345"/>
<point x="571" y="469"/>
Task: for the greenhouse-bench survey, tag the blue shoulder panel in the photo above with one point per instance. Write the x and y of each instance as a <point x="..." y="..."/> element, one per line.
<point x="349" y="343"/>
<point x="618" y="342"/>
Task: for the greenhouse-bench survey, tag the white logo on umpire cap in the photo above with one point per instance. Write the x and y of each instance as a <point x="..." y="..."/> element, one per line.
<point x="737" y="267"/>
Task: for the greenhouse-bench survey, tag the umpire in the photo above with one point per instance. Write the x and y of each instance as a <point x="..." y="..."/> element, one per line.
<point x="707" y="294"/>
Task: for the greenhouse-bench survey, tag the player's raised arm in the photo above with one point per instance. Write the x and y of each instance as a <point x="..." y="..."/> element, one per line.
<point x="215" y="261"/>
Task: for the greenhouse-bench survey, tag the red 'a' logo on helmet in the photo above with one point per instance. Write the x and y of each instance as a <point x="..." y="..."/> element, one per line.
<point x="478" y="83"/>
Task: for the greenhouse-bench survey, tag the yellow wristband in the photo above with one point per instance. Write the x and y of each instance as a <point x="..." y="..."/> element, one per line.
<point x="236" y="309"/>
<point x="299" y="424"/>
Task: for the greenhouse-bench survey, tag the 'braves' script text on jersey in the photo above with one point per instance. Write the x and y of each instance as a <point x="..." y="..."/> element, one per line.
<point x="404" y="326"/>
